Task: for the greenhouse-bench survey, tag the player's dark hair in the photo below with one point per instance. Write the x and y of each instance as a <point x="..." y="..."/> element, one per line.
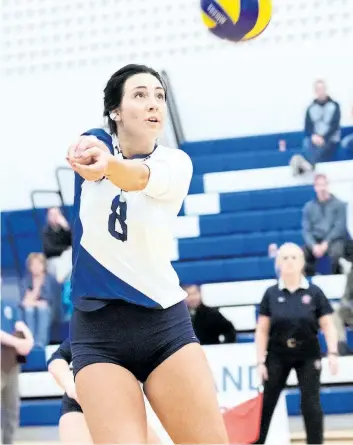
<point x="114" y="90"/>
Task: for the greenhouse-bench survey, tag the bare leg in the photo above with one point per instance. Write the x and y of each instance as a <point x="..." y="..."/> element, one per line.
<point x="113" y="405"/>
<point x="73" y="429"/>
<point x="182" y="393"/>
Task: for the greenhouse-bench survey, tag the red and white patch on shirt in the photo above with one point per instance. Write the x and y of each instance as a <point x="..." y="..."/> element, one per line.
<point x="306" y="299"/>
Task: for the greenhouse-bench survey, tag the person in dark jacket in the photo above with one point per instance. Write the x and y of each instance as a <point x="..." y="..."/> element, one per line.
<point x="324" y="227"/>
<point x="322" y="126"/>
<point x="210" y="327"/>
<point x="57" y="242"/>
<point x="322" y="131"/>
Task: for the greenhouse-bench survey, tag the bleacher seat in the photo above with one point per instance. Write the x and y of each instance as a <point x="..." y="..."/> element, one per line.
<point x="335" y="400"/>
<point x="239" y="245"/>
<point x="240" y="161"/>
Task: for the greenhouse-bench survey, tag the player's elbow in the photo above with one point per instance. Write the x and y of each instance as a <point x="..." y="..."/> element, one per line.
<point x="139" y="180"/>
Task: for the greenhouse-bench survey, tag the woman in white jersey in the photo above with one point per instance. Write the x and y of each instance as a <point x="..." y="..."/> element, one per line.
<point x="130" y="322"/>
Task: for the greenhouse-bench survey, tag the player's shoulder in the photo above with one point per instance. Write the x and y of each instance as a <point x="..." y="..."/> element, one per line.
<point x="173" y="155"/>
<point x="315" y="290"/>
<point x="272" y="290"/>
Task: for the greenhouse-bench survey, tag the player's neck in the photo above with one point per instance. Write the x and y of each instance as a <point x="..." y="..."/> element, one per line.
<point x="292" y="282"/>
<point x="131" y="147"/>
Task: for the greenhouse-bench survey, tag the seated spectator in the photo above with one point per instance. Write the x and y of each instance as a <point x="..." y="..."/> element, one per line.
<point x="211" y="328"/>
<point x="41" y="289"/>
<point x="322" y="131"/>
<point x="324" y="227"/>
<point x="57" y="245"/>
<point x="16" y="343"/>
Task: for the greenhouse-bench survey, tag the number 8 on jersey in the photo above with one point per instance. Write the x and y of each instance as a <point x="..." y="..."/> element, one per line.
<point x="118" y="209"/>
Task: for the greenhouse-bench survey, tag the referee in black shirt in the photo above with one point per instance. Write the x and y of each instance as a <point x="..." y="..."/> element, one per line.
<point x="291" y="313"/>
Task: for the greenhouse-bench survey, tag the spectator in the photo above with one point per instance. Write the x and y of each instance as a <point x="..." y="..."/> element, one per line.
<point x="324" y="227"/>
<point x="57" y="245"/>
<point x="210" y="327"/>
<point x="16" y="343"/>
<point x="322" y="131"/>
<point x="41" y="289"/>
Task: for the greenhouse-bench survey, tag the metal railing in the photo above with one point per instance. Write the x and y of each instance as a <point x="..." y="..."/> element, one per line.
<point x="173" y="111"/>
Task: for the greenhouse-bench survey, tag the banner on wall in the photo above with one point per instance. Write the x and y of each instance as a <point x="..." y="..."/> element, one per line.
<point x="234" y="371"/>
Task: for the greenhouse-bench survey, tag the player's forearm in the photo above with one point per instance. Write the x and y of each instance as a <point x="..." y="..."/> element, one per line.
<point x="331" y="338"/>
<point x="8" y="339"/>
<point x="60" y="370"/>
<point x="261" y="341"/>
<point x="128" y="175"/>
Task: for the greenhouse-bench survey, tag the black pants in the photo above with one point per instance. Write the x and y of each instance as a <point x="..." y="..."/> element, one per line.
<point x="308" y="373"/>
<point x="335" y="251"/>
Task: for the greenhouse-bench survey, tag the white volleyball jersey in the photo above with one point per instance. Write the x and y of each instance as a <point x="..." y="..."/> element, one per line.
<point x="123" y="241"/>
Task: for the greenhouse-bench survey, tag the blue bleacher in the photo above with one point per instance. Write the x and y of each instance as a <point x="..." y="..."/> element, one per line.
<point x="250" y="221"/>
<point x="239" y="245"/>
<point x="234" y="269"/>
<point x="335" y="400"/>
<point x="254" y="144"/>
<point x="240" y="161"/>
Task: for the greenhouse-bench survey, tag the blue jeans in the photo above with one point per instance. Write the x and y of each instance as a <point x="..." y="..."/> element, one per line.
<point x="38" y="320"/>
<point x="314" y="154"/>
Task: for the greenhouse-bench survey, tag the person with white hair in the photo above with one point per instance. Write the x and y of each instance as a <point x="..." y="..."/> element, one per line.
<point x="291" y="314"/>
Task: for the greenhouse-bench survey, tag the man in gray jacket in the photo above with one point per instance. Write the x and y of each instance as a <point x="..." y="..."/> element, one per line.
<point x="324" y="227"/>
<point x="322" y="131"/>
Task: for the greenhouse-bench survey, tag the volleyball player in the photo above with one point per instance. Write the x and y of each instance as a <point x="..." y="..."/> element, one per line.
<point x="130" y="321"/>
<point x="72" y="425"/>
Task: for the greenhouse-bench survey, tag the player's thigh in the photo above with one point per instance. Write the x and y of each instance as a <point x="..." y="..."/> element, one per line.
<point x="152" y="437"/>
<point x="182" y="393"/>
<point x="73" y="428"/>
<point x="112" y="402"/>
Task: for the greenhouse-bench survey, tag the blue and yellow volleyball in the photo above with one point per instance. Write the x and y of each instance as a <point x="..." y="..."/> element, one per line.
<point x="236" y="20"/>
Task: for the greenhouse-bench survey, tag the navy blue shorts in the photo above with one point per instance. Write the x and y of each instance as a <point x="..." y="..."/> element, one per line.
<point x="135" y="337"/>
<point x="69" y="405"/>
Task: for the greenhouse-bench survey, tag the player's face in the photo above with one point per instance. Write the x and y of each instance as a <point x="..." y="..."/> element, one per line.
<point x="193" y="299"/>
<point x="320" y="91"/>
<point x="321" y="187"/>
<point x="53" y="215"/>
<point x="291" y="261"/>
<point x="143" y="107"/>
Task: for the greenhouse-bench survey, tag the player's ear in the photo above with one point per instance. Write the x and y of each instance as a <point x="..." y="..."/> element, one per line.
<point x="115" y="115"/>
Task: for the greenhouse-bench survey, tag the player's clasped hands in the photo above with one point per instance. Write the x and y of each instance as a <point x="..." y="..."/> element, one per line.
<point x="89" y="157"/>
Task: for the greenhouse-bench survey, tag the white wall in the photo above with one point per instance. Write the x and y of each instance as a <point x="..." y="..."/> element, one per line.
<point x="58" y="55"/>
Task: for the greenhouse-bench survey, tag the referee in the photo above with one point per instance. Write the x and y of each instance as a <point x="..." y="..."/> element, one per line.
<point x="291" y="313"/>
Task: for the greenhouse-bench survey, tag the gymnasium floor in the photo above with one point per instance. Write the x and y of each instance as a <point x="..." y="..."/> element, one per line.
<point x="339" y="430"/>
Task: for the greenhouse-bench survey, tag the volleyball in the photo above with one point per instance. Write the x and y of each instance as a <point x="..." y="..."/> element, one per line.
<point x="236" y="20"/>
